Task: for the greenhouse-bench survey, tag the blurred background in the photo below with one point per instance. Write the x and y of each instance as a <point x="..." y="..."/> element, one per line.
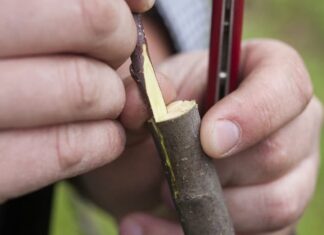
<point x="299" y="23"/>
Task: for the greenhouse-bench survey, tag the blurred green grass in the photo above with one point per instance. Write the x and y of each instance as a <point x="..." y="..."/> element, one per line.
<point x="299" y="23"/>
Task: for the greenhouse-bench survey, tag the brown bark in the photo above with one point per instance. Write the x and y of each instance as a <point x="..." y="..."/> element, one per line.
<point x="192" y="177"/>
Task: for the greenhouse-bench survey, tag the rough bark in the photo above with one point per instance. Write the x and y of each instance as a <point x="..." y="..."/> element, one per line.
<point x="192" y="177"/>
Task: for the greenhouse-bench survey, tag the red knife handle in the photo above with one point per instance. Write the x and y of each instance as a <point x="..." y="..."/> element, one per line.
<point x="215" y="49"/>
<point x="236" y="44"/>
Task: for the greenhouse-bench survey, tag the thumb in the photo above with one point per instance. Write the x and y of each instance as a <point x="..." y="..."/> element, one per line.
<point x="144" y="224"/>
<point x="275" y="91"/>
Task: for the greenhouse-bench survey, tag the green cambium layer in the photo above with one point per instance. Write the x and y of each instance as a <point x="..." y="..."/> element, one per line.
<point x="167" y="160"/>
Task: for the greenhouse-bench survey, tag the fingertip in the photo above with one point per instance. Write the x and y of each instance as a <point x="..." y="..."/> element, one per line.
<point x="116" y="138"/>
<point x="127" y="33"/>
<point x="140" y="6"/>
<point x="219" y="137"/>
<point x="118" y="94"/>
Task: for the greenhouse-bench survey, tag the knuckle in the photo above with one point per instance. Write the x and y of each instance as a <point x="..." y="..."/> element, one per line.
<point x="67" y="147"/>
<point x="301" y="83"/>
<point x="273" y="157"/>
<point x="299" y="77"/>
<point x="100" y="17"/>
<point x="108" y="24"/>
<point x="92" y="88"/>
<point x="291" y="61"/>
<point x="282" y="210"/>
<point x="264" y="110"/>
<point x="83" y="91"/>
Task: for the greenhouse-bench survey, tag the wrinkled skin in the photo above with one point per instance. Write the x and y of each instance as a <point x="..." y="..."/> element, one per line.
<point x="65" y="110"/>
<point x="60" y="93"/>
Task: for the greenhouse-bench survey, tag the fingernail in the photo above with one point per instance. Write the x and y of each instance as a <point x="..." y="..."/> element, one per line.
<point x="225" y="135"/>
<point x="130" y="227"/>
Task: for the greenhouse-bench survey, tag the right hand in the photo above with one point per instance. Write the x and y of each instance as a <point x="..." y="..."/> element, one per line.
<point x="60" y="93"/>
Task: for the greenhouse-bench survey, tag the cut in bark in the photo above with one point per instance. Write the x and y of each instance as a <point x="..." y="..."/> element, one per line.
<point x="192" y="177"/>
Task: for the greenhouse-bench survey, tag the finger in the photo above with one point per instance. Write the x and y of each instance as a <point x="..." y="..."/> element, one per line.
<point x="276" y="155"/>
<point x="143" y="224"/>
<point x="103" y="29"/>
<point x="34" y="158"/>
<point x="276" y="89"/>
<point x="137" y="172"/>
<point x="48" y="90"/>
<point x="140" y="5"/>
<point x="190" y="80"/>
<point x="273" y="206"/>
<point x="136" y="112"/>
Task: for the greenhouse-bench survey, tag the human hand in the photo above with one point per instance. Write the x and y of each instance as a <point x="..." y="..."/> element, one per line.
<point x="60" y="94"/>
<point x="264" y="138"/>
